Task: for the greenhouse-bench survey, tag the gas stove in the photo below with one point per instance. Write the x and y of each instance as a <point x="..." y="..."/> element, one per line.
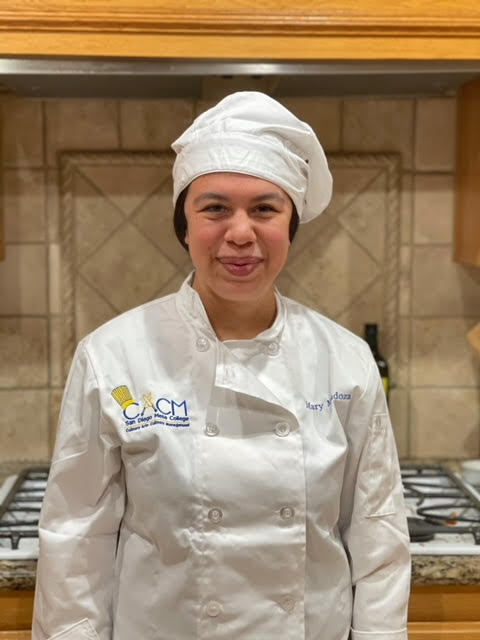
<point x="443" y="512"/>
<point x="20" y="502"/>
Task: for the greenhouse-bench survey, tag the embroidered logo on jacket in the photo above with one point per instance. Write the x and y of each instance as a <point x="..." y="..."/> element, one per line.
<point x="327" y="403"/>
<point x="150" y="411"/>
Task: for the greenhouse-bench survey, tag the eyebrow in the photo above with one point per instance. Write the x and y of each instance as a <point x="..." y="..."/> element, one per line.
<point x="211" y="195"/>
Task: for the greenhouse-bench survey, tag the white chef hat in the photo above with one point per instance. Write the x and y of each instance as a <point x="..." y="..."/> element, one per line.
<point x="249" y="132"/>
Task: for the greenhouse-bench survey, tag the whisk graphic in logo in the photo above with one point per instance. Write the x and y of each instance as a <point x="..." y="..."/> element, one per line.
<point x="150" y="411"/>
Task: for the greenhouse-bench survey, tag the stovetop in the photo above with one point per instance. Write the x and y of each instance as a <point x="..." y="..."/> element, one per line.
<point x="443" y="512"/>
<point x="20" y="502"/>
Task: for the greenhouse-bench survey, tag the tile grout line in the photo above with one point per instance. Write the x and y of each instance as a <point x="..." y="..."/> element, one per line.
<point x="48" y="283"/>
<point x="119" y="124"/>
<point x="410" y="428"/>
<point x="342" y="125"/>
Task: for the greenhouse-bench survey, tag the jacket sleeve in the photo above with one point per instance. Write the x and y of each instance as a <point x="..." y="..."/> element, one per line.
<point x="80" y="517"/>
<point x="373" y="523"/>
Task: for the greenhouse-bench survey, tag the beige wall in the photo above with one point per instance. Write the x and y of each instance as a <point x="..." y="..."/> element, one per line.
<point x="436" y="402"/>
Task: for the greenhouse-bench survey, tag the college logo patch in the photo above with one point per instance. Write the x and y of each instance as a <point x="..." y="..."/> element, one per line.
<point x="150" y="411"/>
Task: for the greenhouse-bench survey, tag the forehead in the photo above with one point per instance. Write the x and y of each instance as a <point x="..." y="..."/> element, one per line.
<point x="228" y="182"/>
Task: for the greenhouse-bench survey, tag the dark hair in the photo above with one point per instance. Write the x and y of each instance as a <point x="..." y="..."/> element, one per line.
<point x="180" y="220"/>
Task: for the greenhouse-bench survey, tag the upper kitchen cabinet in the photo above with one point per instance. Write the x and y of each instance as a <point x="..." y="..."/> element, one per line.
<point x="467" y="219"/>
<point x="248" y="29"/>
<point x="2" y="224"/>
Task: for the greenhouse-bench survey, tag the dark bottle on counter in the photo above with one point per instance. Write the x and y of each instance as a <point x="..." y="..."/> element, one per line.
<point x="371" y="336"/>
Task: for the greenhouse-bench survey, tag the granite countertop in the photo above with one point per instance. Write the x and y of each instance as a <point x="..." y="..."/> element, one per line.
<point x="441" y="570"/>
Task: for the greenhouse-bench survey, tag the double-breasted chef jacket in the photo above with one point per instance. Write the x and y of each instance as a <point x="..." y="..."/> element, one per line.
<point x="207" y="490"/>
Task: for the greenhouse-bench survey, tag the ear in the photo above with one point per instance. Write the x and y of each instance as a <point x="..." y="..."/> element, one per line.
<point x="186" y="237"/>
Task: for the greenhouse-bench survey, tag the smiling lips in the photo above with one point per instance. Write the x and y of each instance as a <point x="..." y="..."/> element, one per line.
<point x="237" y="266"/>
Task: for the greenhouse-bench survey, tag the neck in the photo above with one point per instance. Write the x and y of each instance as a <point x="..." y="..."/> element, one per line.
<point x="234" y="320"/>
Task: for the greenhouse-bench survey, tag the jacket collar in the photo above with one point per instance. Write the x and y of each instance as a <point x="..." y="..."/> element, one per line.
<point x="190" y="305"/>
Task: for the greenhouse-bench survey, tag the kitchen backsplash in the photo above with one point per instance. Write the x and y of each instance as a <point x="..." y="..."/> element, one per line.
<point x="382" y="252"/>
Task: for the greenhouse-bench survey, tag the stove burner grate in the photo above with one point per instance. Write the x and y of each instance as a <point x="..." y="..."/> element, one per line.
<point x="20" y="511"/>
<point x="443" y="503"/>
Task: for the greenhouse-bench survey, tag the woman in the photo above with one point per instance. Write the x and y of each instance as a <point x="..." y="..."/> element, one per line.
<point x="224" y="466"/>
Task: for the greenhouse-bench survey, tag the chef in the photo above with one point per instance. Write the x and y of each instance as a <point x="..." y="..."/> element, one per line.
<point x="225" y="467"/>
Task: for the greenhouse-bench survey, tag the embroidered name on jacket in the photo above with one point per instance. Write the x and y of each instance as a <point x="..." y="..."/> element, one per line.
<point x="327" y="403"/>
<point x="150" y="411"/>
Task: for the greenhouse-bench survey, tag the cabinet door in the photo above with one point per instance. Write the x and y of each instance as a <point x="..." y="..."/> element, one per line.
<point x="2" y="227"/>
<point x="16" y="609"/>
<point x="444" y="631"/>
<point x="467" y="220"/>
<point x="445" y="603"/>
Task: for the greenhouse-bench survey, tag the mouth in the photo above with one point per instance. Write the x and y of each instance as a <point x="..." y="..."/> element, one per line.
<point x="237" y="266"/>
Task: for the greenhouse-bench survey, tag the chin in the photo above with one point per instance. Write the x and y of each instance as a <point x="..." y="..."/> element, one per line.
<point x="242" y="291"/>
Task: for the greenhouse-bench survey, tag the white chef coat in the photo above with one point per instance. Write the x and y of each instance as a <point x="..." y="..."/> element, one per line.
<point x="207" y="490"/>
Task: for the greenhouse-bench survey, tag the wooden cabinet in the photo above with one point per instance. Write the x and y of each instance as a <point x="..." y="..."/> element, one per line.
<point x="436" y="612"/>
<point x="244" y="29"/>
<point x="2" y="222"/>
<point x="16" y="609"/>
<point x="467" y="216"/>
<point x="441" y="612"/>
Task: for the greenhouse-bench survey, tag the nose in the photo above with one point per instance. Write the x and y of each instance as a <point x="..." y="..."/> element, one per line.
<point x="240" y="229"/>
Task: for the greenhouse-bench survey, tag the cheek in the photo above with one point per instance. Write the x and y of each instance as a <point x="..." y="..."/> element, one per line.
<point x="279" y="242"/>
<point x="202" y="239"/>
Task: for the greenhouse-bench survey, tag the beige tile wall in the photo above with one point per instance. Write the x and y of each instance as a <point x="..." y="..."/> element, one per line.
<point x="436" y="402"/>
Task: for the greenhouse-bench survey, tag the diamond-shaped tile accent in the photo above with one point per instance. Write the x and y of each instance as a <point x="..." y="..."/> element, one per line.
<point x="333" y="269"/>
<point x="292" y="288"/>
<point x="95" y="218"/>
<point x="91" y="309"/>
<point x="126" y="186"/>
<point x="349" y="182"/>
<point x="155" y="219"/>
<point x="364" y="217"/>
<point x="128" y="270"/>
<point x="368" y="307"/>
<point x="171" y="286"/>
<point x="306" y="233"/>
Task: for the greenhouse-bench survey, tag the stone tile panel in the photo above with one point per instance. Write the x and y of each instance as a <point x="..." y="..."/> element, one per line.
<point x="379" y="125"/>
<point x="24" y="424"/>
<point x="435" y="134"/>
<point x="23" y="348"/>
<point x="128" y="270"/>
<point x="323" y="115"/>
<point x="334" y="270"/>
<point x="23" y="280"/>
<point x="24" y="205"/>
<point x="434" y="209"/>
<point x="398" y="404"/>
<point x="442" y="287"/>
<point x="22" y="132"/>
<point x="80" y="124"/>
<point x="153" y="124"/>
<point x="406" y="211"/>
<point x="96" y="218"/>
<point x="441" y="355"/>
<point x="445" y="423"/>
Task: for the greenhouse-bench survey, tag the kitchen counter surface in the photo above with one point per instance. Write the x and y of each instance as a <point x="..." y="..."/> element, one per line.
<point x="440" y="570"/>
<point x="17" y="575"/>
<point x="431" y="570"/>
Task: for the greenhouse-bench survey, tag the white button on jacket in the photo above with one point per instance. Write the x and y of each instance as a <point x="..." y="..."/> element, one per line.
<point x="175" y="456"/>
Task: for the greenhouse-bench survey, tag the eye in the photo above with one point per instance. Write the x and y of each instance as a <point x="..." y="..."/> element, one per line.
<point x="265" y="209"/>
<point x="214" y="208"/>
